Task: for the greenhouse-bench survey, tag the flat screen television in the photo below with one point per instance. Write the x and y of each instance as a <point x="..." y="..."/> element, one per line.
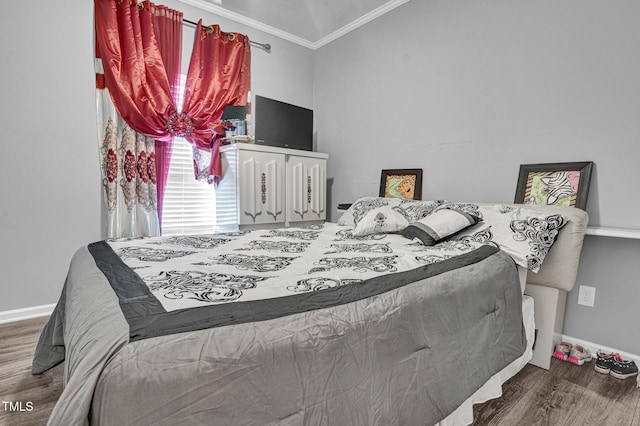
<point x="284" y="125"/>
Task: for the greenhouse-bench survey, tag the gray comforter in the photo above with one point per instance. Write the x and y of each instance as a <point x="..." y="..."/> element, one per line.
<point x="403" y="347"/>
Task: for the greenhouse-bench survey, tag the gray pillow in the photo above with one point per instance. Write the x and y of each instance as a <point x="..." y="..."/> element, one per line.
<point x="439" y="225"/>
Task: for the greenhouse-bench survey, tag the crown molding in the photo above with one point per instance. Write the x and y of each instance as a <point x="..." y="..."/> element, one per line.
<point x="359" y="22"/>
<point x="217" y="10"/>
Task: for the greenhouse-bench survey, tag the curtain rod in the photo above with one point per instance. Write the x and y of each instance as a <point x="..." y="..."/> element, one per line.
<point x="264" y="46"/>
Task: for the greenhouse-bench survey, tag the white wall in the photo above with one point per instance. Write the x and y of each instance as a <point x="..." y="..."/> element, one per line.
<point x="469" y="90"/>
<point x="49" y="168"/>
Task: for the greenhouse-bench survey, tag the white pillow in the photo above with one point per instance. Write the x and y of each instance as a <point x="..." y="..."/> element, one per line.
<point x="524" y="234"/>
<point x="381" y="220"/>
<point x="439" y="225"/>
<point x="412" y="209"/>
<point x="415" y="210"/>
<point x="362" y="206"/>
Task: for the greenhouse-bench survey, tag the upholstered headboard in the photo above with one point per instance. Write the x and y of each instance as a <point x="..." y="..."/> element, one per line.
<point x="560" y="267"/>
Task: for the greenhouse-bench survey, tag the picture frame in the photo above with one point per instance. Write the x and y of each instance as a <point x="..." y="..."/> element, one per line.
<point x="554" y="183"/>
<point x="401" y="183"/>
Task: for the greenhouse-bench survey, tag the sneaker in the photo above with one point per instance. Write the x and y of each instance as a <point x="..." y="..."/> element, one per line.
<point x="604" y="362"/>
<point x="579" y="355"/>
<point x="563" y="349"/>
<point x="623" y="369"/>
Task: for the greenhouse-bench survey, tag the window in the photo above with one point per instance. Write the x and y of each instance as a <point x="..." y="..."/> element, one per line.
<point x="189" y="205"/>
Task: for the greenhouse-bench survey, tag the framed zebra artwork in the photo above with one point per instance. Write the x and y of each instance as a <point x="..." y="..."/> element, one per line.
<point x="554" y="183"/>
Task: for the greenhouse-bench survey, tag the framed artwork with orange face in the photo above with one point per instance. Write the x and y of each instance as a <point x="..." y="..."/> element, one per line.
<point x="554" y="184"/>
<point x="401" y="183"/>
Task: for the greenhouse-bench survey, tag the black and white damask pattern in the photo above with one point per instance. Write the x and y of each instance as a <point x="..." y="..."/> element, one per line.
<point x="457" y="245"/>
<point x="279" y="246"/>
<point x="254" y="263"/>
<point x="380" y="222"/>
<point x="540" y="234"/>
<point x="506" y="209"/>
<point x="246" y="267"/>
<point x="347" y="234"/>
<point x="482" y="236"/>
<point x="525" y="234"/>
<point x="432" y="258"/>
<point x="314" y="227"/>
<point x="149" y="254"/>
<point x="195" y="241"/>
<point x="360" y="248"/>
<point x="319" y="283"/>
<point x="357" y="264"/>
<point x="414" y="211"/>
<point x="447" y="250"/>
<point x="202" y="286"/>
<point x="294" y="234"/>
<point x="472" y="209"/>
<point x="449" y="245"/>
<point x="232" y="233"/>
<point x="361" y="208"/>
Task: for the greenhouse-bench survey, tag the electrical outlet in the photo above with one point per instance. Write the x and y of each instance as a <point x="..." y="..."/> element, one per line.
<point x="587" y="296"/>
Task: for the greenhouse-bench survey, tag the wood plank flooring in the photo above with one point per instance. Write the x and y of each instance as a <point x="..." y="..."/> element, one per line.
<point x="565" y="395"/>
<point x="17" y="384"/>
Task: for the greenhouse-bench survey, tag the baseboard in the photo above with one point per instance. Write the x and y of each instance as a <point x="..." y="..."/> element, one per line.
<point x="594" y="347"/>
<point x="26" y="313"/>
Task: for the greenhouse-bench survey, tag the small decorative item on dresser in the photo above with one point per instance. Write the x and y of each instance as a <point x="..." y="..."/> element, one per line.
<point x="401" y="183"/>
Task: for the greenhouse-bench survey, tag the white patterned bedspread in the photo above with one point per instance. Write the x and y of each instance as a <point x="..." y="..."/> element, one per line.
<point x="191" y="271"/>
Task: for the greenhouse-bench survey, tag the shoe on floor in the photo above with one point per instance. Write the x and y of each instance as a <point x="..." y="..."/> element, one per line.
<point x="579" y="355"/>
<point x="604" y="362"/>
<point x="563" y="349"/>
<point x="623" y="369"/>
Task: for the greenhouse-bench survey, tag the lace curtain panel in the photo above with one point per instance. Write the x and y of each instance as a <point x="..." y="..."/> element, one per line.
<point x="127" y="161"/>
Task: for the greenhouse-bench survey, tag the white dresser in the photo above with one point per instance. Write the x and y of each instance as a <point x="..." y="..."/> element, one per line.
<point x="266" y="187"/>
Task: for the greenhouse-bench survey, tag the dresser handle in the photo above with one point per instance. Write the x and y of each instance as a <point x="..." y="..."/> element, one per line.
<point x="263" y="180"/>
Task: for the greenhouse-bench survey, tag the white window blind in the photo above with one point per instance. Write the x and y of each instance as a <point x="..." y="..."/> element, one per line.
<point x="189" y="205"/>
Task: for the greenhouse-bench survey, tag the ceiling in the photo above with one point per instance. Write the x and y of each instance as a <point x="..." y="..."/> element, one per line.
<point x="310" y="23"/>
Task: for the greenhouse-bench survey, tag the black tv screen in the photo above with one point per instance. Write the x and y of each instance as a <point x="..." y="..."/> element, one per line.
<point x="283" y="125"/>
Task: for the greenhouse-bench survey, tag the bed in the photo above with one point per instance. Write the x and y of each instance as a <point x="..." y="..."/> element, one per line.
<point x="364" y="321"/>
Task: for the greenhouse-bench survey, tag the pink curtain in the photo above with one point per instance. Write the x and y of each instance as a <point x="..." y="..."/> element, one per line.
<point x="140" y="63"/>
<point x="134" y="70"/>
<point x="168" y="32"/>
<point x="219" y="75"/>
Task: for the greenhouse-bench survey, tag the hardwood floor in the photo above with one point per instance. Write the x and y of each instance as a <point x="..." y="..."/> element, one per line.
<point x="564" y="395"/>
<point x="567" y="394"/>
<point x="17" y="384"/>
